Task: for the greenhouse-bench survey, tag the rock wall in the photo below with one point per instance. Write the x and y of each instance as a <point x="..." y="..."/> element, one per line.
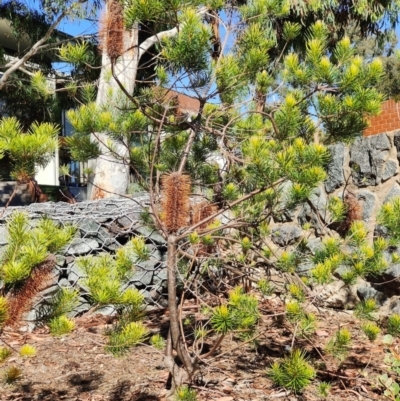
<point x="367" y="170"/>
<point x="103" y="226"/>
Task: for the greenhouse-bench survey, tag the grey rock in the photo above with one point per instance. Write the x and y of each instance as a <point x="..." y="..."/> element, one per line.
<point x="63" y="283"/>
<point x="341" y="271"/>
<point x="390" y="170"/>
<point x="285" y="235"/>
<point x="75" y="274"/>
<point x="107" y="311"/>
<point x="396" y="140"/>
<point x="82" y="246"/>
<point x="3" y="235"/>
<point x="368" y="200"/>
<point x="315" y="212"/>
<point x="160" y="275"/>
<point x="388" y="282"/>
<point x="381" y="231"/>
<point x="367" y="159"/>
<point x="88" y="225"/>
<point x="150" y="234"/>
<point x="393" y="193"/>
<point x="304" y="268"/>
<point x="82" y="307"/>
<point x="378" y="142"/>
<point x="286" y="214"/>
<point x="314" y="245"/>
<point x="32" y="316"/>
<point x="335" y="170"/>
<point x="366" y="292"/>
<point x="337" y="295"/>
<point x="49" y="291"/>
<point x="394" y="306"/>
<point x="61" y="260"/>
<point x="142" y="277"/>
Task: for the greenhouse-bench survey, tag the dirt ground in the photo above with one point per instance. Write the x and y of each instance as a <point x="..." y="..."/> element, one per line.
<point x="76" y="367"/>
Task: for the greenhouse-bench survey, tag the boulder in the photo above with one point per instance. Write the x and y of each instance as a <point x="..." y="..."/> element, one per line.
<point x="335" y="171"/>
<point x="286" y="234"/>
<point x="367" y="159"/>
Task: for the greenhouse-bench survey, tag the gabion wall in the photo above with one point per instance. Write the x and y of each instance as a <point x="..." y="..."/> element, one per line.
<point x="103" y="226"/>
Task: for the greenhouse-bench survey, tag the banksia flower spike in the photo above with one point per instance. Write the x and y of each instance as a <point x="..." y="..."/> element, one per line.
<point x="111" y="31"/>
<point x="175" y="201"/>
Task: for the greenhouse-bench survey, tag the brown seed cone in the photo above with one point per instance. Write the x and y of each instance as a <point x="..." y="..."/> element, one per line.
<point x="353" y="213"/>
<point x="175" y="201"/>
<point x="111" y="30"/>
<point x="22" y="299"/>
<point x="200" y="211"/>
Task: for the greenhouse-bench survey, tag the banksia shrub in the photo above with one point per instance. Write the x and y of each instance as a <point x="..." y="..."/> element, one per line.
<point x="175" y="201"/>
<point x="23" y="298"/>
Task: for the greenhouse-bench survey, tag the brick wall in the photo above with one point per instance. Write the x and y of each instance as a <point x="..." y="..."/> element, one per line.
<point x="388" y="120"/>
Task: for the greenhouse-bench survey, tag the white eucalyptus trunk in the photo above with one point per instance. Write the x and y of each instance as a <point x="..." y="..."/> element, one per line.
<point x="111" y="171"/>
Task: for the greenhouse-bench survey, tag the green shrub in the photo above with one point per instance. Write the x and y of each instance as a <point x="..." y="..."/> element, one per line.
<point x="4" y="353"/>
<point x="393" y="325"/>
<point x="185" y="393"/>
<point x="61" y="325"/>
<point x="121" y="339"/>
<point x="371" y="330"/>
<point x="293" y="372"/>
<point x="27" y="351"/>
<point x="12" y="374"/>
<point x="339" y="344"/>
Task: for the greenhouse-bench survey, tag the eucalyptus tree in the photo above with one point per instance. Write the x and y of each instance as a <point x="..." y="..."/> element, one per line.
<point x="262" y="124"/>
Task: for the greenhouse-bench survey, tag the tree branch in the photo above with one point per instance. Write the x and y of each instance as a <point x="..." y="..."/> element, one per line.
<point x="34" y="49"/>
<point x="152" y="40"/>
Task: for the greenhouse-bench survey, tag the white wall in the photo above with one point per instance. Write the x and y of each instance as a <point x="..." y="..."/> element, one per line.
<point x="49" y="175"/>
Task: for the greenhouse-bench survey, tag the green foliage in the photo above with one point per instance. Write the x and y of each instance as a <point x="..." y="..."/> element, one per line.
<point x="294" y="311"/>
<point x="338" y="346"/>
<point x="391" y="387"/>
<point x="265" y="287"/>
<point x="389" y="217"/>
<point x="157" y="342"/>
<point x="322" y="273"/>
<point x="122" y="338"/>
<point x="105" y="274"/>
<point x="61" y="325"/>
<point x="324" y="389"/>
<point x="365" y="309"/>
<point x="62" y="303"/>
<point x="27" y="351"/>
<point x="307" y="325"/>
<point x="393" y="325"/>
<point x="337" y="209"/>
<point x="27" y="150"/>
<point x="287" y="262"/>
<point x="12" y="374"/>
<point x="185" y="393"/>
<point x="293" y="372"/>
<point x="297" y="292"/>
<point x="3" y="310"/>
<point x="29" y="247"/>
<point x="240" y="314"/>
<point x="4" y="353"/>
<point x="371" y="330"/>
